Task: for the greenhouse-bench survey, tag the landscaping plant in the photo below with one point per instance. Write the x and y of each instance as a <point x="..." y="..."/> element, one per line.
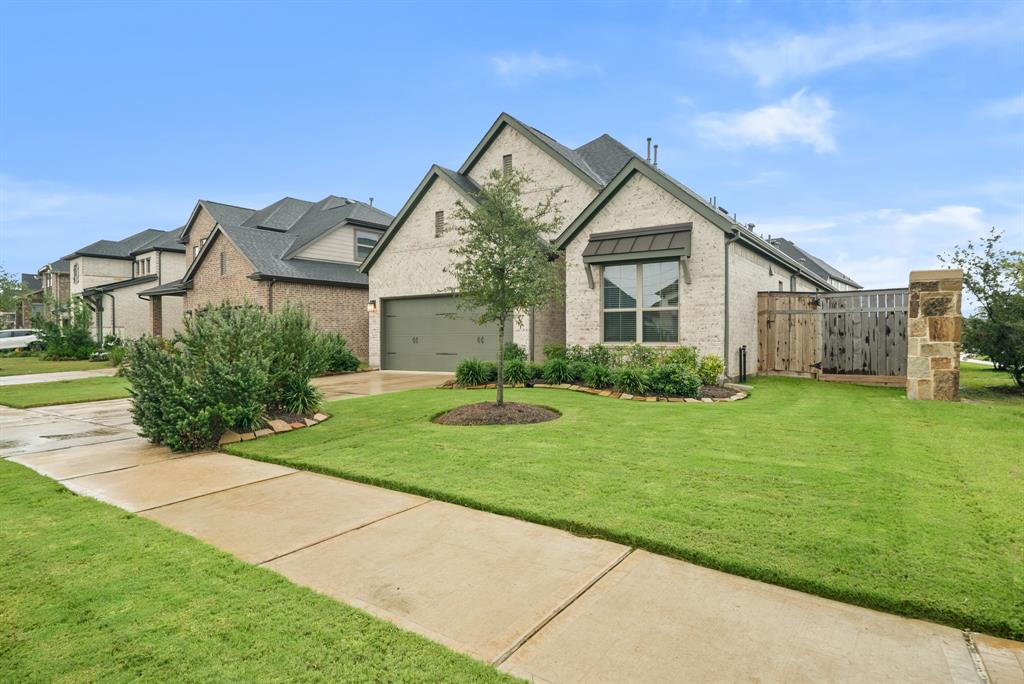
<point x="674" y="380"/>
<point x="514" y="352"/>
<point x="471" y="372"/>
<point x="632" y="380"/>
<point x="684" y="356"/>
<point x="503" y="264"/>
<point x="338" y="358"/>
<point x="598" y="376"/>
<point x="517" y="372"/>
<point x="557" y="371"/>
<point x="711" y="369"/>
<point x="74" y="339"/>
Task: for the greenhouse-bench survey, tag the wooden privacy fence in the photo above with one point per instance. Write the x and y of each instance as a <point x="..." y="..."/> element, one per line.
<point x="834" y="336"/>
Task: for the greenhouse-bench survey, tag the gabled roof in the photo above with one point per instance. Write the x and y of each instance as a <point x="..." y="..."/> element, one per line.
<point x="168" y="241"/>
<point x="462" y="183"/>
<point x="59" y="266"/>
<point x="120" y="249"/>
<point x="225" y="214"/>
<point x="281" y="215"/>
<point x="31" y="282"/>
<point x="329" y="212"/>
<point x="819" y="266"/>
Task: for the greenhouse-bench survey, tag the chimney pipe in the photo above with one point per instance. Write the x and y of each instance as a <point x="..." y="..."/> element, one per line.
<point x="648" y="150"/>
<point x="371" y="201"/>
<point x="655" y="156"/>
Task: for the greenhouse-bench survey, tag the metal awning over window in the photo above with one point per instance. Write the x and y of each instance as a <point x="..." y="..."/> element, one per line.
<point x="658" y="242"/>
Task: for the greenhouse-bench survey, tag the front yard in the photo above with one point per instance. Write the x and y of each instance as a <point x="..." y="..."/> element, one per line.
<point x="63" y="392"/>
<point x="29" y="365"/>
<point x="849" y="492"/>
<point x="93" y="593"/>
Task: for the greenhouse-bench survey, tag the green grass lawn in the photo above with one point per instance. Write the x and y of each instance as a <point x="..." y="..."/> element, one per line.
<point x="849" y="492"/>
<point x="63" y="392"/>
<point x="29" y="365"/>
<point x="91" y="593"/>
<point x="981" y="383"/>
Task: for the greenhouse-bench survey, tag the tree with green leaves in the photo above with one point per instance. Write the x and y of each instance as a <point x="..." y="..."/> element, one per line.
<point x="994" y="277"/>
<point x="504" y="263"/>
<point x="11" y="291"/>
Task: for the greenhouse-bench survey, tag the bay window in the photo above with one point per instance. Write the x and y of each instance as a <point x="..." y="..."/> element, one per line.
<point x="640" y="302"/>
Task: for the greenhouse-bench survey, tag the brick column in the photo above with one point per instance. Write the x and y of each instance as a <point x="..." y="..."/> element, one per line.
<point x="156" y="315"/>
<point x="933" y="335"/>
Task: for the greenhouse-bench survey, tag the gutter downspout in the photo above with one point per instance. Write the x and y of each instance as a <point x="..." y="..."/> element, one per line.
<point x="113" y="313"/>
<point x="270" y="295"/>
<point x="728" y="241"/>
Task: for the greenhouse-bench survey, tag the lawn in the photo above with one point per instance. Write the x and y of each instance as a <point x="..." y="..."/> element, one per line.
<point x="848" y="492"/>
<point x="63" y="392"/>
<point x="29" y="365"/>
<point x="93" y="593"/>
<point x="981" y="383"/>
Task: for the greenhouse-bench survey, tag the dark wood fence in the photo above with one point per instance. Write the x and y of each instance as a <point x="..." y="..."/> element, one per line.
<point x="834" y="336"/>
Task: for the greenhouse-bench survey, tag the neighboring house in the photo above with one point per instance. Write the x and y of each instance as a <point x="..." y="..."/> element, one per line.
<point x="835" y="277"/>
<point x="31" y="301"/>
<point x="55" y="278"/>
<point x="647" y="260"/>
<point x="111" y="275"/>
<point x="290" y="251"/>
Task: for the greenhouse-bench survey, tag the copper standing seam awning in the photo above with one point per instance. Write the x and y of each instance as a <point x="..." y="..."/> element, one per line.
<point x="639" y="244"/>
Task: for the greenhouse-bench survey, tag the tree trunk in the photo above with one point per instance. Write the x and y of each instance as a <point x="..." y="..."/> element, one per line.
<point x="500" y="383"/>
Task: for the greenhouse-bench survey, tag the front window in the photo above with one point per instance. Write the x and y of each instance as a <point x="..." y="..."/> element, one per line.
<point x="641" y="302"/>
<point x="365" y="240"/>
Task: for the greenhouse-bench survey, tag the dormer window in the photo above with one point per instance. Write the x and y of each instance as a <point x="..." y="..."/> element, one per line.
<point x="365" y="240"/>
<point x="506" y="163"/>
<point x="438" y="224"/>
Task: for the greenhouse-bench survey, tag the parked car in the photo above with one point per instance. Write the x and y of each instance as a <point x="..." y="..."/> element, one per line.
<point x="18" y="339"/>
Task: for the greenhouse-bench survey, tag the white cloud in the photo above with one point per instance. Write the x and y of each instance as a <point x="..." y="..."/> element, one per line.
<point x="517" y="67"/>
<point x="1002" y="109"/>
<point x="879" y="247"/>
<point x="801" y="55"/>
<point x="800" y="118"/>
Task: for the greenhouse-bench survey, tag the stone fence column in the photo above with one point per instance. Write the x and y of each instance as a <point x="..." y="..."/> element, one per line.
<point x="933" y="335"/>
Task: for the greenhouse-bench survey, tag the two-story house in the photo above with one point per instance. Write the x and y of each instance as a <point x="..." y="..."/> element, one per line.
<point x="646" y="259"/>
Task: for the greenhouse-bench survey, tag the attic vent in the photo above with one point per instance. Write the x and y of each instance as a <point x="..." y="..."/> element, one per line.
<point x="438" y="223"/>
<point x="506" y="163"/>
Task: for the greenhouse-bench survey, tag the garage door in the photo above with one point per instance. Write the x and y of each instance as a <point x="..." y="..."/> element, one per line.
<point x="432" y="334"/>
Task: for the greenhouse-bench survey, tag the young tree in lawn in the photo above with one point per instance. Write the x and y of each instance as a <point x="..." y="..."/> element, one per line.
<point x="504" y="262"/>
<point x="11" y="291"/>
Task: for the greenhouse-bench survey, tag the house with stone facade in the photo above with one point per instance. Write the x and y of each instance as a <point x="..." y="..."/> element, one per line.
<point x="110" y="275"/>
<point x="646" y="260"/>
<point x="290" y="251"/>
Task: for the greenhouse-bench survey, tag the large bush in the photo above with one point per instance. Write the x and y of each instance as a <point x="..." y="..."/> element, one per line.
<point x="711" y="369"/>
<point x="229" y="369"/>
<point x="337" y="356"/>
<point x="74" y="339"/>
<point x="674" y="380"/>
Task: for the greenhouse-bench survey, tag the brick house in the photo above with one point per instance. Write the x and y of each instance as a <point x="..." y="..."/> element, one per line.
<point x="31" y="301"/>
<point x="110" y="275"/>
<point x="290" y="251"/>
<point x="646" y="259"/>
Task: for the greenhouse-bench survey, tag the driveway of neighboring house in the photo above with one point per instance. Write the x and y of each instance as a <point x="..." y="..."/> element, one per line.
<point x="536" y="602"/>
<point x="351" y="385"/>
<point x="53" y="377"/>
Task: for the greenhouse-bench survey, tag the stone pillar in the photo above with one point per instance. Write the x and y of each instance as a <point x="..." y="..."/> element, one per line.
<point x="156" y="315"/>
<point x="933" y="335"/>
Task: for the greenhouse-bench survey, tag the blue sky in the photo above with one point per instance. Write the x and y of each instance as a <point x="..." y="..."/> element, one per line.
<point x="873" y="134"/>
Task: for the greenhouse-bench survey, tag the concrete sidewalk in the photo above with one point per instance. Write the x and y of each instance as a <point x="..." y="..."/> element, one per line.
<point x="53" y="377"/>
<point x="537" y="602"/>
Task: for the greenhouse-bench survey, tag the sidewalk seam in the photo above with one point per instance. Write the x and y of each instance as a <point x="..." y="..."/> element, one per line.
<point x="217" y="491"/>
<point x="979" y="664"/>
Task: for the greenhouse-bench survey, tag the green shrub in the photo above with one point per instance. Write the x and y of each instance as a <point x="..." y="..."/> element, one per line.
<point x="517" y="372"/>
<point x="711" y="369"/>
<point x="338" y="358"/>
<point x="576" y="353"/>
<point x="577" y="369"/>
<point x="303" y="399"/>
<point x="640" y="356"/>
<point x="557" y="371"/>
<point x="74" y="339"/>
<point x="600" y="354"/>
<point x="554" y="351"/>
<point x="471" y="372"/>
<point x="490" y="371"/>
<point x="632" y="380"/>
<point x="683" y="356"/>
<point x="598" y="376"/>
<point x="536" y="371"/>
<point x="514" y="352"/>
<point x="674" y="380"/>
<point x="116" y="356"/>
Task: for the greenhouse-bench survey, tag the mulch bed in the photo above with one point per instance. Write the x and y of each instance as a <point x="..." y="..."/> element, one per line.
<point x="716" y="392"/>
<point x="487" y="413"/>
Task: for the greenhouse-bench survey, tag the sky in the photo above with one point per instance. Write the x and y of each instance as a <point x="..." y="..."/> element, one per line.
<point x="875" y="135"/>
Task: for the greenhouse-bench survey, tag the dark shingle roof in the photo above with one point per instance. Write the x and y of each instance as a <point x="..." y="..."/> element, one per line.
<point x="265" y="249"/>
<point x="31" y="282"/>
<point x="174" y="287"/>
<point x="129" y="282"/>
<point x="167" y="241"/>
<point x="606" y="156"/>
<point x="58" y="266"/>
<point x="120" y="249"/>
<point x="328" y="213"/>
<point x="468" y="185"/>
<point x="281" y="215"/>
<point x="227" y="214"/>
<point x="811" y="262"/>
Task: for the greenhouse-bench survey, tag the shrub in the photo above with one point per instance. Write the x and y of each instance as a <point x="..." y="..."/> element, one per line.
<point x="517" y="372"/>
<point x="74" y="339"/>
<point x="557" y="371"/>
<point x="674" y="380"/>
<point x="554" y="351"/>
<point x="303" y="398"/>
<point x="576" y="353"/>
<point x="598" y="376"/>
<point x="514" y="352"/>
<point x="711" y="369"/>
<point x="490" y="371"/>
<point x="600" y="354"/>
<point x="337" y="356"/>
<point x="683" y="356"/>
<point x="639" y="355"/>
<point x="536" y="371"/>
<point x="632" y="380"/>
<point x="116" y="356"/>
<point x="471" y="372"/>
<point x="577" y="369"/>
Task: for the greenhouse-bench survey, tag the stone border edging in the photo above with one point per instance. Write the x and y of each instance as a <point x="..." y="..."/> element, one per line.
<point x="274" y="427"/>
<point x="611" y="393"/>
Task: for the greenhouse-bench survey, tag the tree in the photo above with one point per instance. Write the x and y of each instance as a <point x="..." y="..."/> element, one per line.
<point x="504" y="263"/>
<point x="995" y="278"/>
<point x="11" y="291"/>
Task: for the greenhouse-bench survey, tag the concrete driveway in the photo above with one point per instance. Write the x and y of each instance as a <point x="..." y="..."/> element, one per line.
<point x="351" y="385"/>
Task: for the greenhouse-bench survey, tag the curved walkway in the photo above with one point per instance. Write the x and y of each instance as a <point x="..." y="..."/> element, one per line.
<point x="537" y="602"/>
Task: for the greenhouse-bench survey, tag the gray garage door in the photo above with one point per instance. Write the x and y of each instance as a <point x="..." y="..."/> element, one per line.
<point x="432" y="334"/>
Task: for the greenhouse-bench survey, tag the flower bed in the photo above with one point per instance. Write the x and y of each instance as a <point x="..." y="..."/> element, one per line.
<point x="733" y="395"/>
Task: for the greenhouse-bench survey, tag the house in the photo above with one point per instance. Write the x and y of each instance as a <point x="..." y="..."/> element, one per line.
<point x="290" y="251"/>
<point x="840" y="281"/>
<point x="110" y="275"/>
<point x="55" y="278"/>
<point x="646" y="259"/>
<point x="31" y="300"/>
